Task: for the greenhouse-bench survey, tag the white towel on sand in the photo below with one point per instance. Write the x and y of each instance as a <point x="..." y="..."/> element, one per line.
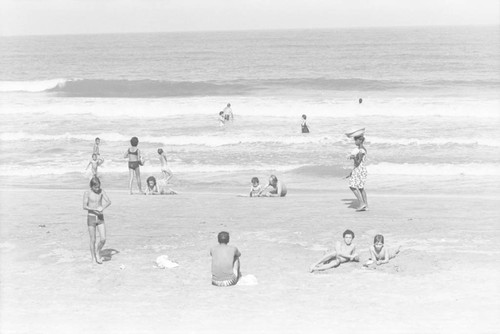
<point x="163" y="262"/>
<point x="248" y="280"/>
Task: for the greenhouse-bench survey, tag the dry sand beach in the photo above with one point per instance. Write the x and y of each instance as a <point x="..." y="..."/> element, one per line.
<point x="445" y="280"/>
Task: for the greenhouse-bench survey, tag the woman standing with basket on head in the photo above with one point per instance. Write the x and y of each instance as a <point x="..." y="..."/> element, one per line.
<point x="357" y="177"/>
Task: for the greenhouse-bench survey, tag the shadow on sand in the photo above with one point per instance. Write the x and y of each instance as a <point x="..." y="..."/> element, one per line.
<point x="108" y="253"/>
<point x="351" y="203"/>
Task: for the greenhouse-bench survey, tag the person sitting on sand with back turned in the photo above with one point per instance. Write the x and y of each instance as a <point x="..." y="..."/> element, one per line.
<point x="93" y="203"/>
<point x="344" y="252"/>
<point x="379" y="253"/>
<point x="225" y="262"/>
<point x="275" y="188"/>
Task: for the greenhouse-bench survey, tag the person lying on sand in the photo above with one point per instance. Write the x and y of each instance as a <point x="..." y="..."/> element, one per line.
<point x="275" y="188"/>
<point x="93" y="203"/>
<point x="152" y="188"/>
<point x="225" y="262"/>
<point x="344" y="252"/>
<point x="379" y="254"/>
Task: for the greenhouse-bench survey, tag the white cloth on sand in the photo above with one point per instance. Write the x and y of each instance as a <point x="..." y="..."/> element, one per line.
<point x="248" y="280"/>
<point x="163" y="262"/>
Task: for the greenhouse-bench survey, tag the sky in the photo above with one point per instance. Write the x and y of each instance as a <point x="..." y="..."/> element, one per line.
<point x="47" y="17"/>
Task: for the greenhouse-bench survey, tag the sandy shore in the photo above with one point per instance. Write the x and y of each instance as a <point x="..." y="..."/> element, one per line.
<point x="445" y="280"/>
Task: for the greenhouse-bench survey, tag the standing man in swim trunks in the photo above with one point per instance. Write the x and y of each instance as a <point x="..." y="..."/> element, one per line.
<point x="93" y="202"/>
<point x="228" y="113"/>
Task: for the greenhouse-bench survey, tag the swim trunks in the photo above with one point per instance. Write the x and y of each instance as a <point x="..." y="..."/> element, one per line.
<point x="133" y="165"/>
<point x="228" y="282"/>
<point x="93" y="220"/>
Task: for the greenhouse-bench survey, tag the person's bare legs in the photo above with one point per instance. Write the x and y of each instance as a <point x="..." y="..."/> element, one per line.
<point x="327" y="258"/>
<point x="363" y="195"/>
<point x="357" y="193"/>
<point x="131" y="179"/>
<point x="325" y="266"/>
<point x="92" y="243"/>
<point x="102" y="241"/>
<point x="138" y="177"/>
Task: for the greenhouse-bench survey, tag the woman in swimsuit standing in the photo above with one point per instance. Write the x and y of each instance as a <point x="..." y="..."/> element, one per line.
<point x="134" y="162"/>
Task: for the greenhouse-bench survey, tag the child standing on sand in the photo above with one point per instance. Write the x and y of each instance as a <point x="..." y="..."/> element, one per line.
<point x="357" y="177"/>
<point x="93" y="202"/>
<point x="344" y="252"/>
<point x="256" y="188"/>
<point x="379" y="253"/>
<point x="94" y="164"/>
<point x="225" y="262"/>
<point x="167" y="173"/>
<point x="134" y="162"/>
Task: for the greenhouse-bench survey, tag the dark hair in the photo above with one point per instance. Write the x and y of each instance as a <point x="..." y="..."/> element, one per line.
<point x="223" y="237"/>
<point x="94" y="154"/>
<point x="378" y="238"/>
<point x="134" y="141"/>
<point x="221" y="112"/>
<point x="151" y="178"/>
<point x="346" y="232"/>
<point x="274" y="178"/>
<point x="304" y="116"/>
<point x="95" y="181"/>
<point x="255" y="179"/>
<point x="360" y="137"/>
<point x="229" y="104"/>
<point x="97" y="138"/>
<point x="160" y="151"/>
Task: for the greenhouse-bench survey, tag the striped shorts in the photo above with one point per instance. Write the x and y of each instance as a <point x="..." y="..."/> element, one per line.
<point x="227" y="282"/>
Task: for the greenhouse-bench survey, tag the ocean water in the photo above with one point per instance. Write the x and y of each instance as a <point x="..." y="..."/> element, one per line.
<point x="431" y="103"/>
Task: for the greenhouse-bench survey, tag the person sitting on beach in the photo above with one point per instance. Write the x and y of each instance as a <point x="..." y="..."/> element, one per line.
<point x="93" y="202"/>
<point x="134" y="161"/>
<point x="275" y="188"/>
<point x="152" y="188"/>
<point x="358" y="175"/>
<point x="305" y="129"/>
<point x="228" y="113"/>
<point x="256" y="188"/>
<point x="344" y="252"/>
<point x="225" y="262"/>
<point x="94" y="164"/>
<point x="95" y="150"/>
<point x="167" y="173"/>
<point x="379" y="254"/>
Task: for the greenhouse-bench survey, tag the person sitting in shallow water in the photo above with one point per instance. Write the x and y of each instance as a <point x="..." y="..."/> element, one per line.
<point x="275" y="188"/>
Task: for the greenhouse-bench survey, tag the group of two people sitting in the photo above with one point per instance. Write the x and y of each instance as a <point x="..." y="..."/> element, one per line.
<point x="275" y="188"/>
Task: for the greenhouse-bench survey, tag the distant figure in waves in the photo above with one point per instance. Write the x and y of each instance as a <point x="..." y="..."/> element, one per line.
<point x="228" y="113"/>
<point x="357" y="177"/>
<point x="167" y="173"/>
<point x="134" y="162"/>
<point x="305" y="129"/>
<point x="95" y="150"/>
<point x="222" y="119"/>
<point x="93" y="203"/>
<point x="360" y="100"/>
<point x="275" y="188"/>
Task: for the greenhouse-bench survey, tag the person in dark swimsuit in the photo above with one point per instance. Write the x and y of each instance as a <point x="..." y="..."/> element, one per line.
<point x="305" y="129"/>
<point x="134" y="162"/>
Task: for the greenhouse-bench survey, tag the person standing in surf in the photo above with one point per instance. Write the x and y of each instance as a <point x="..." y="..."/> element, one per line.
<point x="134" y="162"/>
<point x="228" y="113"/>
<point x="358" y="175"/>
<point x="304" y="127"/>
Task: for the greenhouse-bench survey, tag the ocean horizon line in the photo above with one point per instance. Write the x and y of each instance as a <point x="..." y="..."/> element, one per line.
<point x="177" y="32"/>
